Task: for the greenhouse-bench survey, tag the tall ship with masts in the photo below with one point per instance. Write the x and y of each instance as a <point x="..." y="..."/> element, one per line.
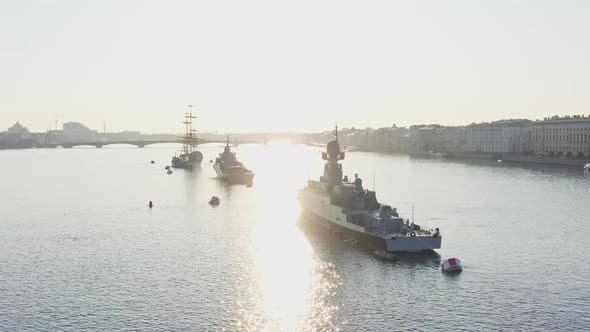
<point x="189" y="157"/>
<point x="347" y="208"/>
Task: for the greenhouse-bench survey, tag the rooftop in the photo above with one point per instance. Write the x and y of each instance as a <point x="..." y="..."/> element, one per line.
<point x="505" y="122"/>
<point x="564" y="119"/>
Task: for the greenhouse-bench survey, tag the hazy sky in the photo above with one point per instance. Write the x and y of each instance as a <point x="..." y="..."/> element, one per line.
<point x="299" y="65"/>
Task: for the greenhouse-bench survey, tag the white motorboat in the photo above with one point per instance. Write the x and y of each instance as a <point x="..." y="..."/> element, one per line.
<point x="452" y="265"/>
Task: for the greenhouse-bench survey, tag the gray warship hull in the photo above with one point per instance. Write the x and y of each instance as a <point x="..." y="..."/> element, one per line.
<point x="317" y="208"/>
<point x="235" y="177"/>
<point x="372" y="241"/>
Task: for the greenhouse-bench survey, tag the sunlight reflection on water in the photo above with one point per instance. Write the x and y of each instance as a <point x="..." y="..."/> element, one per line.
<point x="80" y="250"/>
<point x="292" y="282"/>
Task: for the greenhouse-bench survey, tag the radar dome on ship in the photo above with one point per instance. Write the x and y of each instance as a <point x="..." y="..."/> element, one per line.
<point x="333" y="149"/>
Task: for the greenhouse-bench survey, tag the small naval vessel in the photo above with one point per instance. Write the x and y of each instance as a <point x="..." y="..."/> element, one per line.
<point x="347" y="208"/>
<point x="189" y="158"/>
<point x="228" y="167"/>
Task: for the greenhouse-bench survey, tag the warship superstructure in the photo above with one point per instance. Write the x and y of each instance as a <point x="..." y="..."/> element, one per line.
<point x="228" y="168"/>
<point x="345" y="207"/>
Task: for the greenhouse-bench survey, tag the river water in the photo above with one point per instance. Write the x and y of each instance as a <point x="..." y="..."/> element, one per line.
<point x="80" y="250"/>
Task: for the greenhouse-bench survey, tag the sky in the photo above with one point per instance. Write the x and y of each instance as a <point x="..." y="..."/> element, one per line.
<point x="298" y="66"/>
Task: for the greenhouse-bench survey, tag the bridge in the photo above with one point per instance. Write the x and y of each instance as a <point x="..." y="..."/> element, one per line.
<point x="139" y="144"/>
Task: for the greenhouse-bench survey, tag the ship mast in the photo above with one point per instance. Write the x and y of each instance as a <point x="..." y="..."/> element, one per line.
<point x="333" y="170"/>
<point x="190" y="136"/>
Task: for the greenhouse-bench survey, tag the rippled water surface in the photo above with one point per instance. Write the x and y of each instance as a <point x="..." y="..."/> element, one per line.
<point x="80" y="250"/>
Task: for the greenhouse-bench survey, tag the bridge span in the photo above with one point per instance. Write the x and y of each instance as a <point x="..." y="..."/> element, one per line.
<point x="139" y="144"/>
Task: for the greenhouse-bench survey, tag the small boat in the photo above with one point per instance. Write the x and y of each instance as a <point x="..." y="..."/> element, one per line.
<point x="452" y="265"/>
<point x="386" y="256"/>
<point x="167" y="167"/>
<point x="169" y="171"/>
<point x="214" y="201"/>
<point x="587" y="167"/>
<point x="152" y="162"/>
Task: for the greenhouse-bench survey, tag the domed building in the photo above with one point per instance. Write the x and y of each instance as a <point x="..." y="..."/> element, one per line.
<point x="17" y="133"/>
<point x="16" y="136"/>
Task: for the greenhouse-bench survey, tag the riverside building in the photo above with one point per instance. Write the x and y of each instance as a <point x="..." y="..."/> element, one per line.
<point x="503" y="136"/>
<point x="568" y="136"/>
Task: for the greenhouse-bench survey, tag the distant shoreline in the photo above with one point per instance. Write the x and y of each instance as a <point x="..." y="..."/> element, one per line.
<point x="507" y="157"/>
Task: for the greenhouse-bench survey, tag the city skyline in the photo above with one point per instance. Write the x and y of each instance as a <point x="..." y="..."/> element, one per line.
<point x="57" y="126"/>
<point x="264" y="66"/>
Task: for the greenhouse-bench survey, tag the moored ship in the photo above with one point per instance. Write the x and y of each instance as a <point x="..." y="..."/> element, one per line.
<point x="189" y="157"/>
<point x="347" y="208"/>
<point x="228" y="168"/>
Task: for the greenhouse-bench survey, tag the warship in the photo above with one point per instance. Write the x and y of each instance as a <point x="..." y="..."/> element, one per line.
<point x="346" y="208"/>
<point x="189" y="157"/>
<point x="228" y="167"/>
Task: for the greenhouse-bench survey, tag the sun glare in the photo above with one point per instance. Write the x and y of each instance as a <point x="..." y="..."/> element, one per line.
<point x="292" y="282"/>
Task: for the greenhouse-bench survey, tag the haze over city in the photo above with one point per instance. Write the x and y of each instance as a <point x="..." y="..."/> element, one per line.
<point x="380" y="165"/>
<point x="300" y="66"/>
